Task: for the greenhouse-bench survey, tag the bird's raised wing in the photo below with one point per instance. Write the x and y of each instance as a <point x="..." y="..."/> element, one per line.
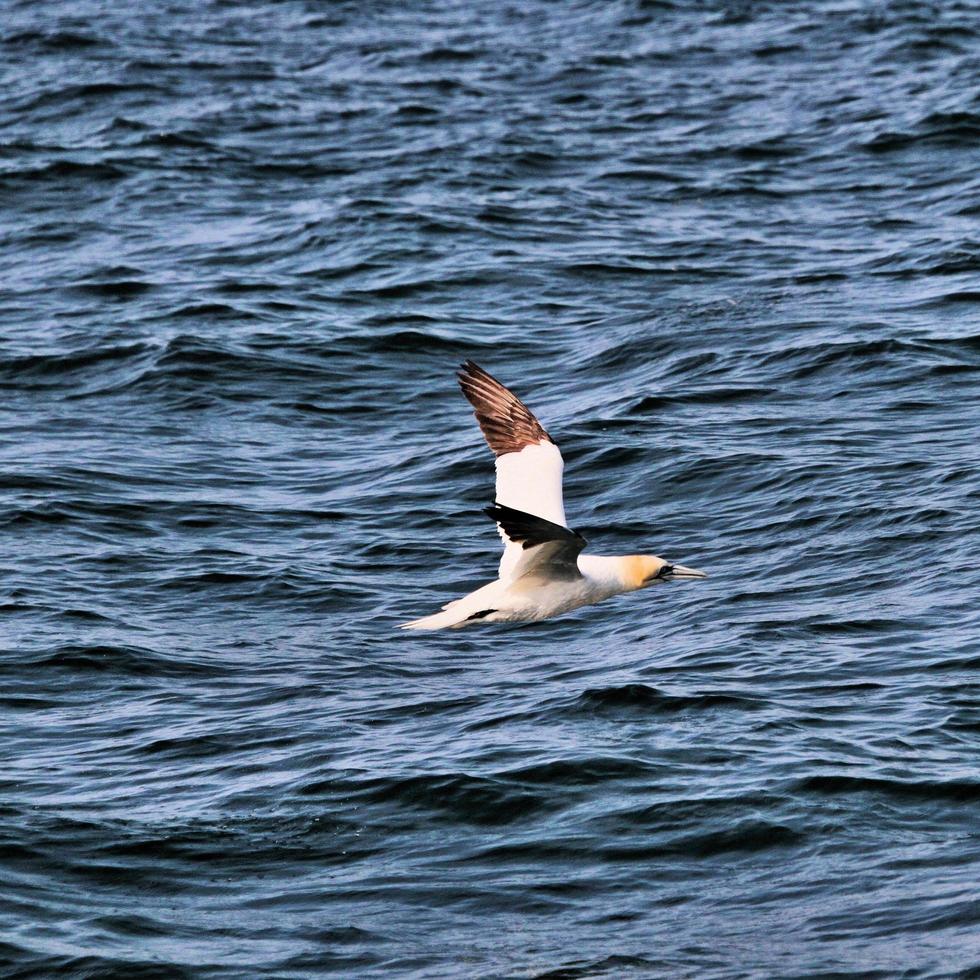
<point x="544" y="549"/>
<point x="529" y="464"/>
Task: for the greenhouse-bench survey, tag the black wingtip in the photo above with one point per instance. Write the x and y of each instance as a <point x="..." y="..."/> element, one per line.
<point x="529" y="529"/>
<point x="498" y="510"/>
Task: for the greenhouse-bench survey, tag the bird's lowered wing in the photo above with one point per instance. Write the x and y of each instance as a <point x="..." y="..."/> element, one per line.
<point x="529" y="464"/>
<point x="543" y="549"/>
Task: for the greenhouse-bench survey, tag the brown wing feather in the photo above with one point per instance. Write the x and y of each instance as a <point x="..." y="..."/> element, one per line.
<point x="508" y="424"/>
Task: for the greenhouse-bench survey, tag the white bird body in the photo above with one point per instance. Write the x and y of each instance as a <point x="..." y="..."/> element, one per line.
<point x="542" y="571"/>
<point x="531" y="599"/>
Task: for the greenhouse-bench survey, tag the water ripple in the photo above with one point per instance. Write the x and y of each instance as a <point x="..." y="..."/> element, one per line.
<point x="727" y="252"/>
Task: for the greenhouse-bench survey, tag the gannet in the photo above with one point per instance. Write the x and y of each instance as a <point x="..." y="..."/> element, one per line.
<point x="542" y="572"/>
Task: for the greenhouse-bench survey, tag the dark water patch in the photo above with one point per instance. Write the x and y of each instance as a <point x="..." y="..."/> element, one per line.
<point x="712" y="396"/>
<point x="205" y="310"/>
<point x="417" y="112"/>
<point x="947" y="130"/>
<point x="959" y="296"/>
<point x="448" y="54"/>
<point x="592" y="270"/>
<point x="860" y="356"/>
<point x="201" y="746"/>
<point x="641" y="175"/>
<point x="776" y="50"/>
<point x="105" y="659"/>
<point x="28" y="963"/>
<point x="178" y="140"/>
<point x="237" y="287"/>
<point x="464" y="798"/>
<point x="188" y="365"/>
<point x="954" y="663"/>
<point x="964" y="257"/>
<point x="27" y="703"/>
<point x="120" y="289"/>
<point x="857" y="626"/>
<point x="951" y="791"/>
<point x="63" y="368"/>
<point x="772" y="149"/>
<point x="615" y="965"/>
<point x="53" y="41"/>
<point x="642" y="698"/>
<point x="85" y="615"/>
<point x="747" y="837"/>
<point x="59" y="171"/>
<point x="409" y="341"/>
<point x="581" y="771"/>
<point x="81" y="95"/>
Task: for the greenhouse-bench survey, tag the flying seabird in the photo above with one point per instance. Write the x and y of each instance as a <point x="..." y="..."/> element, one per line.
<point x="543" y="571"/>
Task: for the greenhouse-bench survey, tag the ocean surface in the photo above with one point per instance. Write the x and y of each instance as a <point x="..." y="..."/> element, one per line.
<point x="729" y="252"/>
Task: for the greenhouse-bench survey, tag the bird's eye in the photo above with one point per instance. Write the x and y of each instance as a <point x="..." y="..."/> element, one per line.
<point x="665" y="571"/>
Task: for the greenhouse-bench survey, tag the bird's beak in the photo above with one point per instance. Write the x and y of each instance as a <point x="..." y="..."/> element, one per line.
<point x="679" y="571"/>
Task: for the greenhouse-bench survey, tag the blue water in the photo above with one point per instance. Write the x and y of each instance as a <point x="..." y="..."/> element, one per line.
<point x="728" y="252"/>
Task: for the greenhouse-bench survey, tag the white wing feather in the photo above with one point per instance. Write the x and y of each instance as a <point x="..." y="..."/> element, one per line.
<point x="530" y="481"/>
<point x="529" y="464"/>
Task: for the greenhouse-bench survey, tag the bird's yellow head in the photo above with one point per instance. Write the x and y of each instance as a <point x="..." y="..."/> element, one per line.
<point x="643" y="570"/>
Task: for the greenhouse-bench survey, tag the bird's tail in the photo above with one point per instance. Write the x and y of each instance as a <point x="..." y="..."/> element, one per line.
<point x="449" y="617"/>
<point x="438" y="621"/>
<point x="482" y="604"/>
